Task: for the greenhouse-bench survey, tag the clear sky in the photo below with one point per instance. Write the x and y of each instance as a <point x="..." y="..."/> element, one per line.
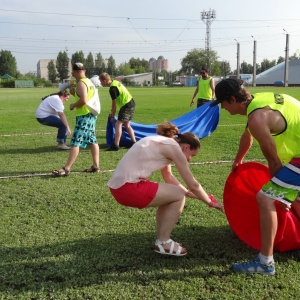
<point x="34" y="30"/>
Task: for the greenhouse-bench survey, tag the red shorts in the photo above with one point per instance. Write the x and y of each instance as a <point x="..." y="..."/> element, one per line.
<point x="138" y="194"/>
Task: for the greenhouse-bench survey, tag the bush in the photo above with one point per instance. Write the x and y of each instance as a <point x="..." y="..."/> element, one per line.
<point x="8" y="83"/>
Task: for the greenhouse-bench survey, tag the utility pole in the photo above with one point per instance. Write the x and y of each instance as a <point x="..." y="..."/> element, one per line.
<point x="207" y="17"/>
<point x="286" y="66"/>
<point x="254" y="63"/>
<point x="238" y="60"/>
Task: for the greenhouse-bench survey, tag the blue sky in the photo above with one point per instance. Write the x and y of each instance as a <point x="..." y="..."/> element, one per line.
<point x="34" y="30"/>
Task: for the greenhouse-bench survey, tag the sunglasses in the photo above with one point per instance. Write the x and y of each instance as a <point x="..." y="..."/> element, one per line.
<point x="202" y="73"/>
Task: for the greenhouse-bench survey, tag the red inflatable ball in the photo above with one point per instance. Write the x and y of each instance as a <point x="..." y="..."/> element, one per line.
<point x="242" y="211"/>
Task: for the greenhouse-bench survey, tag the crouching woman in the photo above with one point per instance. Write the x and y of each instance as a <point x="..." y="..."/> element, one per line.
<point x="130" y="187"/>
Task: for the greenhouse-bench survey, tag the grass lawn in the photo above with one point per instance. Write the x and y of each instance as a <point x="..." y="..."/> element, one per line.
<point x="67" y="238"/>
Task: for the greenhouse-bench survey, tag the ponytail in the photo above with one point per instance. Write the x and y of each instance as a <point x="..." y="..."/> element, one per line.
<point x="169" y="130"/>
<point x="60" y="93"/>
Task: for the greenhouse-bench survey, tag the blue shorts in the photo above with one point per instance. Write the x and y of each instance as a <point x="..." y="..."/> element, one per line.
<point x="285" y="185"/>
<point x="84" y="132"/>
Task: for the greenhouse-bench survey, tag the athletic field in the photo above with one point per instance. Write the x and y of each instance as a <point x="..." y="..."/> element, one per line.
<point x="67" y="238"/>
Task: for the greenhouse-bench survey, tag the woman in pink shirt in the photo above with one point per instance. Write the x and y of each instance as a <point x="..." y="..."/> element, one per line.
<point x="130" y="186"/>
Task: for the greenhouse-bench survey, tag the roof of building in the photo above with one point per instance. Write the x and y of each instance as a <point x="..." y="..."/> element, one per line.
<point x="276" y="73"/>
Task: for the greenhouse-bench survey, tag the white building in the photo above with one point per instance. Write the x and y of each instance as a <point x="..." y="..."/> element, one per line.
<point x="139" y="79"/>
<point x="42" y="68"/>
<point x="275" y="75"/>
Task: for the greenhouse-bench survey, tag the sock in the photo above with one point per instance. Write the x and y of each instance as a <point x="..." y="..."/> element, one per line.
<point x="265" y="260"/>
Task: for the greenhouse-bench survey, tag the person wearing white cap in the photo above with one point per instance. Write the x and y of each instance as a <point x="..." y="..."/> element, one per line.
<point x="84" y="133"/>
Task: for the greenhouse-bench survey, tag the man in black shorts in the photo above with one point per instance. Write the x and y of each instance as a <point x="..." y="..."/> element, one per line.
<point x="122" y="98"/>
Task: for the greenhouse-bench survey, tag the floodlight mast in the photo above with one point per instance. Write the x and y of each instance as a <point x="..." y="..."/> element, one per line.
<point x="238" y="60"/>
<point x="254" y="62"/>
<point x="286" y="66"/>
<point x="207" y="17"/>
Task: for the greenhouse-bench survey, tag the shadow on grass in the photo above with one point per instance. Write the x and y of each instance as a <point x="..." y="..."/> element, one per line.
<point x="117" y="258"/>
<point x="35" y="150"/>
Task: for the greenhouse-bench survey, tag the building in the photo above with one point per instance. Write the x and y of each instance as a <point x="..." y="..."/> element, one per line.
<point x="42" y="68"/>
<point x="192" y="80"/>
<point x="158" y="64"/>
<point x="275" y="75"/>
<point x="143" y="79"/>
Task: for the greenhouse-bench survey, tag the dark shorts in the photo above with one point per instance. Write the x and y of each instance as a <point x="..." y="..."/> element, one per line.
<point x="285" y="185"/>
<point x="200" y="102"/>
<point x="127" y="111"/>
<point x="138" y="194"/>
<point x="84" y="132"/>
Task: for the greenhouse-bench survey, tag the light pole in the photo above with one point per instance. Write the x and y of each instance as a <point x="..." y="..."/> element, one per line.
<point x="238" y="60"/>
<point x="254" y="62"/>
<point x="286" y="66"/>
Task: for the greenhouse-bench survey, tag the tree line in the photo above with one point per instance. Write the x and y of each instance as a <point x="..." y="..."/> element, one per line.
<point x="191" y="64"/>
<point x="93" y="66"/>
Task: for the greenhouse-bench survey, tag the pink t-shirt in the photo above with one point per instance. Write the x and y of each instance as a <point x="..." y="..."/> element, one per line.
<point x="141" y="161"/>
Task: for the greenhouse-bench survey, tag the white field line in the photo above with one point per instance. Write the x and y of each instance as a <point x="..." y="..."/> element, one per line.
<point x="36" y="133"/>
<point x="110" y="171"/>
<point x="102" y="130"/>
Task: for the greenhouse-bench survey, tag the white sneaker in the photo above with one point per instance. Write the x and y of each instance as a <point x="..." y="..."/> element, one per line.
<point x="63" y="147"/>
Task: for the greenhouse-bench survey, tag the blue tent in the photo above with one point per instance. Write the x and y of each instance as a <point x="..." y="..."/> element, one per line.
<point x="201" y="121"/>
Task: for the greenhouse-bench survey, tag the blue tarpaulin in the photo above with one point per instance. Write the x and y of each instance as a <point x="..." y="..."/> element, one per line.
<point x="201" y="121"/>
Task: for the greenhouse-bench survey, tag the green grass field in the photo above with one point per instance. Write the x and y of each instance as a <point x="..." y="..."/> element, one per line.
<point x="67" y="238"/>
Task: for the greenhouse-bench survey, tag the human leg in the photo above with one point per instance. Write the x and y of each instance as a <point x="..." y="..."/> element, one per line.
<point x="264" y="262"/>
<point x="65" y="170"/>
<point x="54" y="121"/>
<point x="268" y="223"/>
<point x="296" y="207"/>
<point x="95" y="156"/>
<point x="74" y="151"/>
<point x="170" y="200"/>
<point x="118" y="133"/>
<point x="130" y="131"/>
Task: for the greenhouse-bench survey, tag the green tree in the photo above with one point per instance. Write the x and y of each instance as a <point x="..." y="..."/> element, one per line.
<point x="225" y="68"/>
<point x="195" y="59"/>
<point x="78" y="57"/>
<point x="52" y="74"/>
<point x="294" y="56"/>
<point x="89" y="65"/>
<point x="8" y="63"/>
<point x="246" y="68"/>
<point x="267" y="64"/>
<point x="139" y="65"/>
<point x="99" y="64"/>
<point x="125" y="69"/>
<point x="62" y="65"/>
<point x="280" y="60"/>
<point x="111" y="66"/>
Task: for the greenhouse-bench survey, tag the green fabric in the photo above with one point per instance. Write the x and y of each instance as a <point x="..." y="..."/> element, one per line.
<point x="83" y="110"/>
<point x="124" y="96"/>
<point x="287" y="142"/>
<point x="204" y="89"/>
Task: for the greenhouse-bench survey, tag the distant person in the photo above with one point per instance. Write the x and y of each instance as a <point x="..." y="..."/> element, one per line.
<point x="122" y="98"/>
<point x="51" y="113"/>
<point x="84" y="133"/>
<point x="205" y="89"/>
<point x="130" y="185"/>
<point x="274" y="121"/>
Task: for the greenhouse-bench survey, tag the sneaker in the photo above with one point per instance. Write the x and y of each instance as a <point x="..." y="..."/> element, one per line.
<point x="113" y="148"/>
<point x="254" y="267"/>
<point x="63" y="147"/>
